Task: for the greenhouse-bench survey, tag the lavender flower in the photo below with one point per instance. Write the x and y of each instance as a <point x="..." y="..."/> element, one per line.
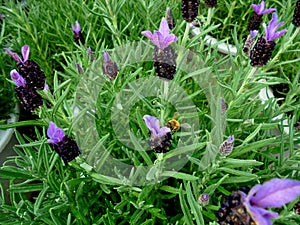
<point x="296" y="15"/>
<point x="227" y="146"/>
<point x="224" y="106"/>
<point x="249" y="206"/>
<point x="91" y="55"/>
<point x="189" y="10"/>
<point x="159" y="136"/>
<point x="79" y="68"/>
<point x="170" y="20"/>
<point x="110" y="68"/>
<point x="27" y="95"/>
<point x="161" y="38"/>
<point x="78" y="36"/>
<point x="249" y="42"/>
<point x="203" y="199"/>
<point x="29" y="70"/>
<point x="62" y="144"/>
<point x="164" y="57"/>
<point x="262" y="51"/>
<point x="256" y="18"/>
<point x="211" y="3"/>
<point x="274" y="193"/>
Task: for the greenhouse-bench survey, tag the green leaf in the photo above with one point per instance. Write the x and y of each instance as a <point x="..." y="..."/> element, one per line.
<point x="179" y="175"/>
<point x="188" y="218"/>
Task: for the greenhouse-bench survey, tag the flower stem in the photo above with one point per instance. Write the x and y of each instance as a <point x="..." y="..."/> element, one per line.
<point x="247" y="79"/>
<point x="186" y="34"/>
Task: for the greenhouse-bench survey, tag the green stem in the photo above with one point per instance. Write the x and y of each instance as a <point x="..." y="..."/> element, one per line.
<point x="209" y="16"/>
<point x="186" y="34"/>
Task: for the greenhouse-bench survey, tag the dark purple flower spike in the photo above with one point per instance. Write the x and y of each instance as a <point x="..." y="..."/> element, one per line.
<point x="28" y="69"/>
<point x="110" y="68"/>
<point x="159" y="136"/>
<point x="189" y="10"/>
<point x="262" y="51"/>
<point x="211" y="3"/>
<point x="296" y="15"/>
<point x="203" y="199"/>
<point x="28" y="96"/>
<point x="249" y="42"/>
<point x="62" y="144"/>
<point x="78" y="36"/>
<point x="256" y="18"/>
<point x="274" y="193"/>
<point x="164" y="57"/>
<point x="170" y="20"/>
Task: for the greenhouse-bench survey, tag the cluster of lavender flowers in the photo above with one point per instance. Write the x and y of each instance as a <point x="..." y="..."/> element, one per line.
<point x="29" y="79"/>
<point x="262" y="51"/>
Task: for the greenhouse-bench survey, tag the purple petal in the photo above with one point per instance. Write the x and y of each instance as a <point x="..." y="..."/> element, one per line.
<point x="163" y="131"/>
<point x="76" y="28"/>
<point x="106" y="56"/>
<point x="278" y="34"/>
<point x="13" y="55"/>
<point x="276" y="193"/>
<point x="157" y="39"/>
<point x="46" y="88"/>
<point x="164" y="27"/>
<point x="261" y="216"/>
<point x="152" y="123"/>
<point x="168" y="40"/>
<point x="253" y="33"/>
<point x="25" y="52"/>
<point x="147" y="34"/>
<point x="54" y="133"/>
<point x="17" y="78"/>
<point x="267" y="11"/>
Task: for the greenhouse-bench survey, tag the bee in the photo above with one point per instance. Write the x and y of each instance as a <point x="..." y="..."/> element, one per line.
<point x="173" y="124"/>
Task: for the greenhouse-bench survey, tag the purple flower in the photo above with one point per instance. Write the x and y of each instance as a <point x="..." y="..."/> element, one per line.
<point x="259" y="9"/>
<point x="90" y="54"/>
<point x="227" y="146"/>
<point x="17" y="78"/>
<point x="161" y="38"/>
<point x="76" y="28"/>
<point x="110" y="68"/>
<point x="203" y="199"/>
<point x="170" y="20"/>
<point x="54" y="133"/>
<point x="153" y="125"/>
<point x="270" y="31"/>
<point x="25" y="54"/>
<point x="274" y="193"/>
<point x="253" y="33"/>
<point x="79" y="68"/>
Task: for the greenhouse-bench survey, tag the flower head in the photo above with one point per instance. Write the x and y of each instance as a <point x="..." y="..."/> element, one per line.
<point x="17" y="78"/>
<point x="161" y="38"/>
<point x="170" y="20"/>
<point x="110" y="68"/>
<point x="274" y="193"/>
<point x="227" y="146"/>
<point x="76" y="28"/>
<point x="203" y="199"/>
<point x="55" y="133"/>
<point x="259" y="9"/>
<point x="270" y="31"/>
<point x="25" y="53"/>
<point x="153" y="125"/>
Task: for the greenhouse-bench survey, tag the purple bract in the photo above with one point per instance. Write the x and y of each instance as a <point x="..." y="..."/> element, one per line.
<point x="153" y="125"/>
<point x="17" y="78"/>
<point x="76" y="28"/>
<point x="55" y="133"/>
<point x="270" y="31"/>
<point x="25" y="53"/>
<point x="259" y="9"/>
<point x="161" y="38"/>
<point x="274" y="193"/>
